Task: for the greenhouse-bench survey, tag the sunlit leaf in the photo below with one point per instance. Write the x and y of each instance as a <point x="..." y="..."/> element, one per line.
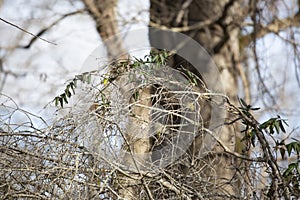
<point x="105" y="81"/>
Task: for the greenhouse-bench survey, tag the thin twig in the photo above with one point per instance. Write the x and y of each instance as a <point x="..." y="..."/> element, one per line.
<point x="35" y="36"/>
<point x="44" y="30"/>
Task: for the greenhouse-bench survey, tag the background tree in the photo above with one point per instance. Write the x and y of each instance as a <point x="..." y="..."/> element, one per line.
<point x="59" y="161"/>
<point x="217" y="31"/>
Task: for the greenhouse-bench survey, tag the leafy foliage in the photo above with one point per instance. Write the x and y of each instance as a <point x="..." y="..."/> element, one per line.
<point x="274" y="125"/>
<point x="63" y="98"/>
<point x="118" y="67"/>
<point x="252" y="132"/>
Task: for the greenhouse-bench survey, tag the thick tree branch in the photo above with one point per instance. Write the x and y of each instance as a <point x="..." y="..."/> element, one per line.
<point x="275" y="27"/>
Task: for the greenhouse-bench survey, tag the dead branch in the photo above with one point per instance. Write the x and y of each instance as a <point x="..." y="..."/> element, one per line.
<point x="35" y="36"/>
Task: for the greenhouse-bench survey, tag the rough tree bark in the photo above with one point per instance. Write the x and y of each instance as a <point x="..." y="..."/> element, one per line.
<point x="137" y="141"/>
<point x="219" y="36"/>
<point x="104" y="14"/>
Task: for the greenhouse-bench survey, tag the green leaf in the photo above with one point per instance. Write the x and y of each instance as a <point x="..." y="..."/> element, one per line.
<point x="64" y="97"/>
<point x="273" y="124"/>
<point x="290" y="168"/>
<point x="136" y="95"/>
<point x="284" y="121"/>
<point x="297" y="147"/>
<point x="103" y="98"/>
<point x="89" y="78"/>
<point x="67" y="92"/>
<point x="293" y="146"/>
<point x="79" y="77"/>
<point x="277" y="126"/>
<point x="253" y="137"/>
<point x="61" y="102"/>
<point x="271" y="129"/>
<point x="267" y="123"/>
<point x="155" y="58"/>
<point x="56" y="101"/>
<point x="243" y="103"/>
<point x="281" y="125"/>
<point x="85" y="77"/>
<point x="75" y="82"/>
<point x="264" y="125"/>
<point x="289" y="148"/>
<point x="72" y="85"/>
<point x="282" y="152"/>
<point x="282" y="148"/>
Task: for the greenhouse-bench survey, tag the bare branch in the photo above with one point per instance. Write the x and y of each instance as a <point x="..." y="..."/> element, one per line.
<point x="44" y="30"/>
<point x="35" y="36"/>
<point x="276" y="26"/>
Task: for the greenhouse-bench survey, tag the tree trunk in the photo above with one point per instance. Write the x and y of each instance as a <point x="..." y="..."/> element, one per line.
<point x="220" y="38"/>
<point x="137" y="141"/>
<point x="104" y="15"/>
